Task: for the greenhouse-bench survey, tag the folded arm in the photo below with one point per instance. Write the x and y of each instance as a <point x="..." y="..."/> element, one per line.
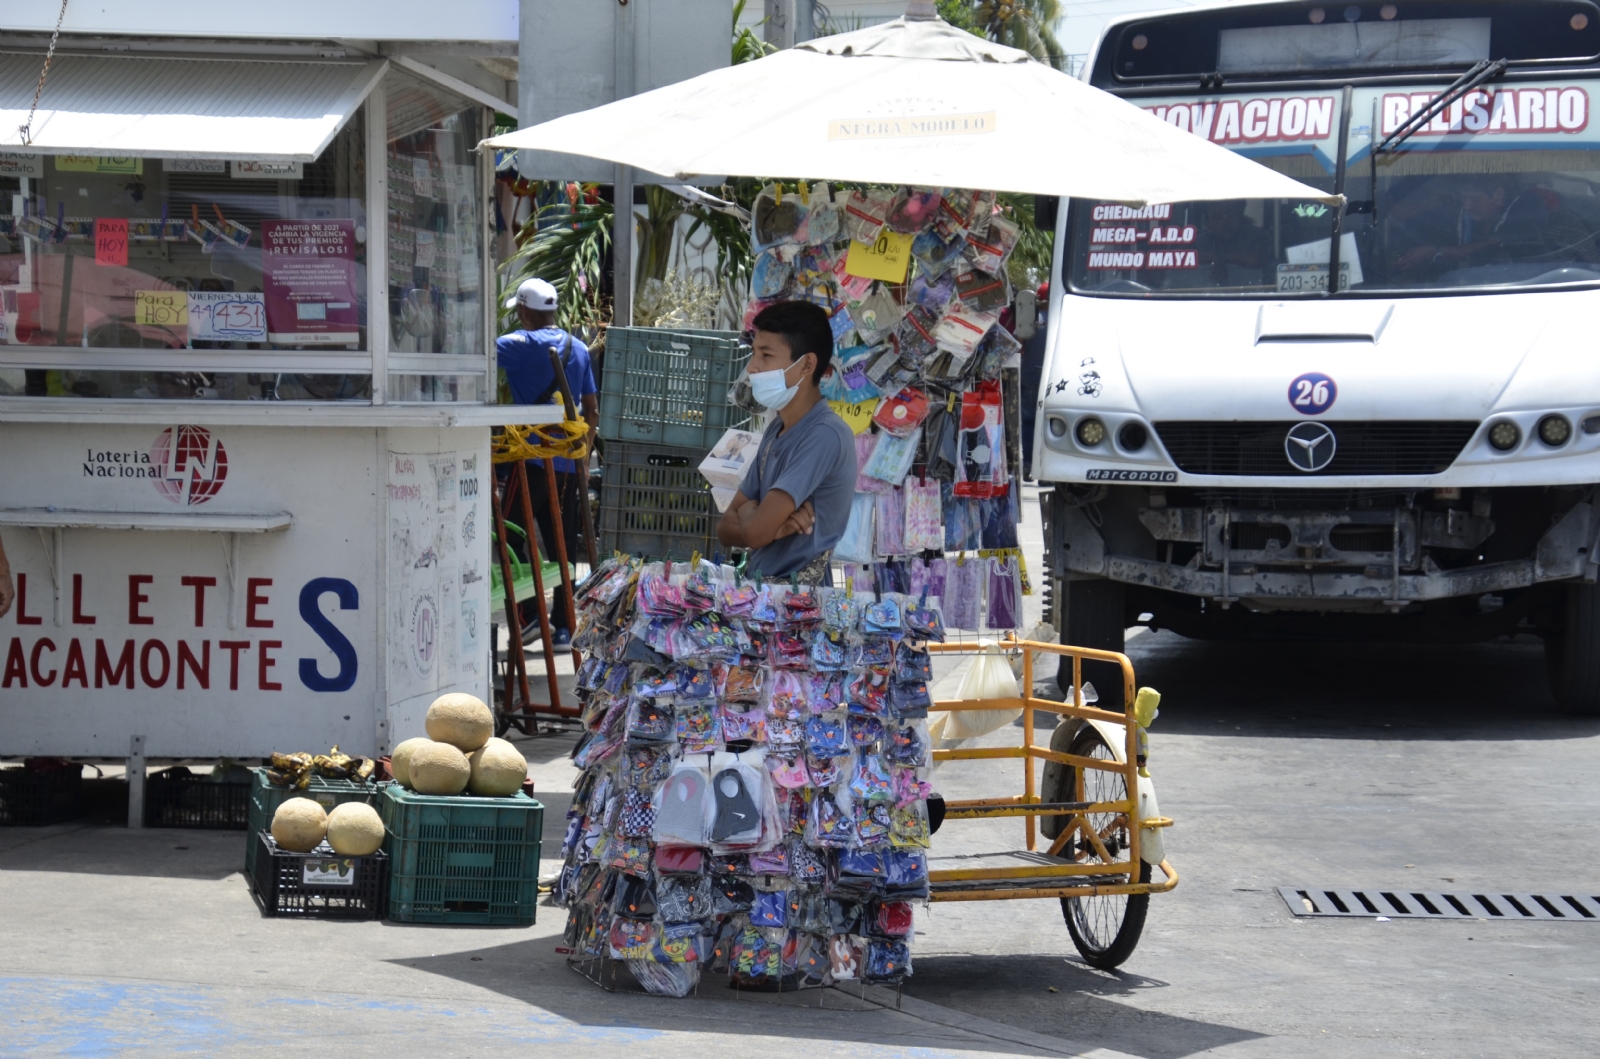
<point x="751" y="524"/>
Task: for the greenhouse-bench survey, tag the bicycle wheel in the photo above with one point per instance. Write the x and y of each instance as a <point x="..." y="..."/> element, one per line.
<point x="1105" y="929"/>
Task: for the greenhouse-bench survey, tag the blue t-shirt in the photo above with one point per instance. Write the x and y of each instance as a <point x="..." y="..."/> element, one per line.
<point x="525" y="358"/>
<point x="814" y="460"/>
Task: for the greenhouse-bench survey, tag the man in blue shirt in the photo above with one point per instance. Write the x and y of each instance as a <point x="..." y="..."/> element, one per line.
<point x="524" y="355"/>
<point x="794" y="502"/>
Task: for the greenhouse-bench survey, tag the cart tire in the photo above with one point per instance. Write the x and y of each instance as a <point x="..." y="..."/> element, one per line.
<point x="1105" y="930"/>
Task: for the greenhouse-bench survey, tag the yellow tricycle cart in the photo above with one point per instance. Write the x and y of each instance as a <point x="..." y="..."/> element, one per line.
<point x="1089" y="819"/>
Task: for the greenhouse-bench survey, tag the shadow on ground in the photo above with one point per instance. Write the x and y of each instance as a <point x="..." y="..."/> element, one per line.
<point x="1016" y="990"/>
<point x="1360" y="691"/>
<point x="90" y="849"/>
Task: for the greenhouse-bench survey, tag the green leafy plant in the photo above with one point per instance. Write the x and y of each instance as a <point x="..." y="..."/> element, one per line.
<point x="1024" y="24"/>
<point x="746" y="45"/>
<point x="567" y="244"/>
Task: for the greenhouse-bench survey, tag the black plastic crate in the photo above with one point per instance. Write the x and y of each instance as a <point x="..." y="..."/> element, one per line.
<point x="320" y="884"/>
<point x="180" y="800"/>
<point x="654" y="501"/>
<point x="35" y="799"/>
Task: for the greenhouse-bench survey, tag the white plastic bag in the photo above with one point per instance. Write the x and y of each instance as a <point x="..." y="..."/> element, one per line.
<point x="988" y="678"/>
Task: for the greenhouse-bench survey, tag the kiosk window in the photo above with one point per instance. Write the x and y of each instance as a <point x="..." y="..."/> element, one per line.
<point x="186" y="254"/>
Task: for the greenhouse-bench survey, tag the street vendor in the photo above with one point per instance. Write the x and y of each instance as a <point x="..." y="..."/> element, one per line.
<point x="793" y="505"/>
<point x="524" y="355"/>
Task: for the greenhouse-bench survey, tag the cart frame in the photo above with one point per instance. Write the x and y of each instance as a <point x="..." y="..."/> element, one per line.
<point x="1066" y="880"/>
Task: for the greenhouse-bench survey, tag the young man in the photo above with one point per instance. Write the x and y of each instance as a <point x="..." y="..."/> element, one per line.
<point x="524" y="356"/>
<point x="794" y="502"/>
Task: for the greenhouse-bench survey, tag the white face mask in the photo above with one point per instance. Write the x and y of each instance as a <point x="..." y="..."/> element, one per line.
<point x="770" y="388"/>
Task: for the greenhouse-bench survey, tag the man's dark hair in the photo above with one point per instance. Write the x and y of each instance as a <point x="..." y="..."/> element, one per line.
<point x="804" y="328"/>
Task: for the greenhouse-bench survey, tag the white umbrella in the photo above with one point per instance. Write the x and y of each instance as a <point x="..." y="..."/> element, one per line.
<point x="912" y="101"/>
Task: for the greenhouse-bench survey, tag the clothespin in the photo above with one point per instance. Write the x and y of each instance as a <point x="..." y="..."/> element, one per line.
<point x="777" y="194"/>
<point x="805" y="193"/>
<point x="794" y="581"/>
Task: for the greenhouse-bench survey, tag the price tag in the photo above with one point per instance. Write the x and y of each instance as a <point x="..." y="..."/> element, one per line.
<point x="857" y="416"/>
<point x="111" y="241"/>
<point x="887" y="258"/>
<point x="161" y="308"/>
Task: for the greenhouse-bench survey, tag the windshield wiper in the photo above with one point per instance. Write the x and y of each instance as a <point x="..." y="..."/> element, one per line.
<point x="1462" y="85"/>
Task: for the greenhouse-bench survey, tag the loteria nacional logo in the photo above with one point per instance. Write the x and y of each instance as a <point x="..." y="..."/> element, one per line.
<point x="190" y="465"/>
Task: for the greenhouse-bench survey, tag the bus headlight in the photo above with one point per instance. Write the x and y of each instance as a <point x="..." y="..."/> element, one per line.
<point x="1091" y="432"/>
<point x="1554" y="430"/>
<point x="1504" y="435"/>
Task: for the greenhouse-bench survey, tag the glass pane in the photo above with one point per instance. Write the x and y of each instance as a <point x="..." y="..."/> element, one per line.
<point x="436" y="388"/>
<point x="435" y="221"/>
<point x="149" y="253"/>
<point x="185" y="385"/>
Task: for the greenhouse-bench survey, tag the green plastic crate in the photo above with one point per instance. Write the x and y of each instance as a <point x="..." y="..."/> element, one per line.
<point x="666" y="387"/>
<point x="654" y="502"/>
<point x="462" y="860"/>
<point x="265" y="799"/>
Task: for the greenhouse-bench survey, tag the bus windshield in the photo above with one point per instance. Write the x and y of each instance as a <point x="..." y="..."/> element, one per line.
<point x="1501" y="189"/>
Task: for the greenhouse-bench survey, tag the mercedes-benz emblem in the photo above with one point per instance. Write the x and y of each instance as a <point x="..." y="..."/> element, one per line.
<point x="1310" y="446"/>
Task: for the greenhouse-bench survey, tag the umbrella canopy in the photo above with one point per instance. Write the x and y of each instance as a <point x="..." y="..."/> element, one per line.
<point x="912" y="101"/>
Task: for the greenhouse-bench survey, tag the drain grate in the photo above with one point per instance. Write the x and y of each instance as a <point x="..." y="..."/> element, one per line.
<point x="1428" y="904"/>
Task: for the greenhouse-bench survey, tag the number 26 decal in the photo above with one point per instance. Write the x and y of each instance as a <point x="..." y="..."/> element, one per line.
<point x="1313" y="393"/>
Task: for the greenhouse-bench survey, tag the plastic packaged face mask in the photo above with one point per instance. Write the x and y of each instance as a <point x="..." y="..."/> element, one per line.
<point x="906" y="746"/>
<point x="961" y="329"/>
<point x="892" y="457"/>
<point x="789" y="771"/>
<point x="637" y="817"/>
<point x="774" y="861"/>
<point x="683" y="807"/>
<point x="649" y="723"/>
<point x="882" y="617"/>
<point x="770" y="276"/>
<point x="903" y="412"/>
<point x="871" y="781"/>
<point x="771" y="909"/>
<point x="864" y="214"/>
<point x="699" y="728"/>
<point x="742" y="683"/>
<point x="738" y="817"/>
<point x="776" y="221"/>
<point x="865" y="731"/>
<point x="981" y="291"/>
<point x="934" y="255"/>
<point x="684" y="898"/>
<point x="932" y="294"/>
<point x="743" y="725"/>
<point x="917" y="332"/>
<point x="876" y="316"/>
<point x="887" y="961"/>
<point x="825" y="771"/>
<point x="826" y="738"/>
<point x="829" y="653"/>
<point x="788" y="695"/>
<point x="823" y="223"/>
<point x="830" y="825"/>
<point x="913" y="209"/>
<point x="989" y="251"/>
<point x="784" y="733"/>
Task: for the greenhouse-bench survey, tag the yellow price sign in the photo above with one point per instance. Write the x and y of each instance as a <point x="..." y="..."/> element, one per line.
<point x="887" y="257"/>
<point x="161" y="308"/>
<point x="858" y="416"/>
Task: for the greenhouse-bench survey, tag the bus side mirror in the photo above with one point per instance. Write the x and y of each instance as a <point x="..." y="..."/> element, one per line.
<point x="1027" y="304"/>
<point x="1045" y="208"/>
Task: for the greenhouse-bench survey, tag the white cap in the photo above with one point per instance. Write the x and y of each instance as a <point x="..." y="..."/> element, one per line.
<point x="535" y="294"/>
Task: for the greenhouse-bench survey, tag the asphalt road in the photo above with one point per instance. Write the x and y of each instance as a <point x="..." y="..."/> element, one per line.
<point x="1364" y="766"/>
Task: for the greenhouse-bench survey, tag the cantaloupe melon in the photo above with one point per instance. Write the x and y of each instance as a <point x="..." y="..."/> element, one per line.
<point x="355" y="829"/>
<point x="298" y="825"/>
<point x="461" y="720"/>
<point x="439" y="768"/>
<point x="400" y="760"/>
<point x="498" y="769"/>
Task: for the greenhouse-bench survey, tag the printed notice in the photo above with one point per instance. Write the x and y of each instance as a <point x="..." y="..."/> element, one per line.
<point x="886" y="258"/>
<point x="218" y="317"/>
<point x="309" y="272"/>
<point x="161" y="308"/>
<point x="111" y="241"/>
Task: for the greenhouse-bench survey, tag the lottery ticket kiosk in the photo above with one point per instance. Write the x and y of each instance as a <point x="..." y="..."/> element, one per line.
<point x="245" y="355"/>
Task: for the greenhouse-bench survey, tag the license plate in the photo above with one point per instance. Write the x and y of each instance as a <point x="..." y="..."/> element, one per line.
<point x="1293" y="279"/>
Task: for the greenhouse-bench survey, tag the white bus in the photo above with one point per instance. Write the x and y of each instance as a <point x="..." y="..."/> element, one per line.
<point x="1242" y="448"/>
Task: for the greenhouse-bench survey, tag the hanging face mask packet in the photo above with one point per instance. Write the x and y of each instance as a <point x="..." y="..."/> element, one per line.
<point x="864" y="214"/>
<point x="742" y="683"/>
<point x="826" y="738"/>
<point x="776" y="218"/>
<point x="824" y="692"/>
<point x="913" y="209"/>
<point x="936" y="255"/>
<point x="990" y="251"/>
<point x="770" y="275"/>
<point x="870" y="782"/>
<point x="882" y="617"/>
<point x="961" y="329"/>
<point x="649" y="723"/>
<point x="872" y="824"/>
<point x="684" y="898"/>
<point x="892" y="457"/>
<point x="906" y="746"/>
<point x="743" y="726"/>
<point x="829" y="653"/>
<point x="917" y="333"/>
<point x="637" y="818"/>
<point x="876" y="316"/>
<point x="1005" y="594"/>
<point x="924" y="516"/>
<point x="770" y="909"/>
<point x="910" y="700"/>
<point x="806" y="864"/>
<point x="825" y="771"/>
<point x="902" y="413"/>
<point x="856" y="545"/>
<point x="699" y="728"/>
<point x="981" y="291"/>
<point x="830" y="825"/>
<point x="887" y="961"/>
<point x="912" y="664"/>
<point x="736" y="789"/>
<point x="840" y="612"/>
<point x="824" y="221"/>
<point x="788" y="771"/>
<point x="848" y="381"/>
<point x="788" y="697"/>
<point x="683" y="808"/>
<point x="865" y="731"/>
<point x="694" y="683"/>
